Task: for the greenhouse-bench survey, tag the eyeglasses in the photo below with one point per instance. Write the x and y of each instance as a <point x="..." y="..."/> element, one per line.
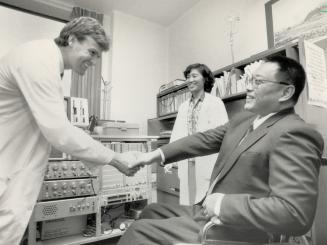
<point x="257" y="82"/>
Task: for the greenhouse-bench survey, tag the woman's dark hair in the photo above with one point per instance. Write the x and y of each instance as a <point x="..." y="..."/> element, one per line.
<point x="209" y="79"/>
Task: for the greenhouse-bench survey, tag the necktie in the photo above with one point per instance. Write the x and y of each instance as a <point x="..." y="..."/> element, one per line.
<point x="61" y="75"/>
<point x="250" y="129"/>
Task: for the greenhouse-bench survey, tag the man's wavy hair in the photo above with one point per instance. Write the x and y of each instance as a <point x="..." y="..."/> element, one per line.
<point x="82" y="27"/>
<point x="205" y="72"/>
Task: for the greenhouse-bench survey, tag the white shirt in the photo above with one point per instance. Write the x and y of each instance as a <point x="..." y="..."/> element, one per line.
<point x="33" y="117"/>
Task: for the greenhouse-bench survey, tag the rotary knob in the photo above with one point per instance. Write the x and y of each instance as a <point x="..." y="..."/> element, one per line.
<point x="64" y="166"/>
<point x="64" y="186"/>
<point x="73" y="185"/>
<point x="55" y="167"/>
<point x="54" y="187"/>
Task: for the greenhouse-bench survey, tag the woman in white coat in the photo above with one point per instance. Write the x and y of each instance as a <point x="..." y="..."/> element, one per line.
<point x="201" y="112"/>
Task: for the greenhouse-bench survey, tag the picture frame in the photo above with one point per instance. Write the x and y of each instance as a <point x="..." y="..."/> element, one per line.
<point x="287" y="20"/>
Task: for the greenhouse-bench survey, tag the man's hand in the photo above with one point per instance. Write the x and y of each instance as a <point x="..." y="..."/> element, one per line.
<point x="126" y="163"/>
<point x="211" y="205"/>
<point x="146" y="158"/>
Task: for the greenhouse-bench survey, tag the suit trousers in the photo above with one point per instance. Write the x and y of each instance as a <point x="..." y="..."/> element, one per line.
<point x="163" y="224"/>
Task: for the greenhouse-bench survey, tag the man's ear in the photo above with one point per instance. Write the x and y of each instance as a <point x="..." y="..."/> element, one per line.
<point x="71" y="39"/>
<point x="287" y="93"/>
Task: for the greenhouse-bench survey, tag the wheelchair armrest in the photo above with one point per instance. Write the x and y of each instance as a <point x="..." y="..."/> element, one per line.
<point x="203" y="237"/>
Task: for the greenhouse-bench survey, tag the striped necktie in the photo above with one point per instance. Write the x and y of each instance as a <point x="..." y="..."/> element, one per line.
<point x="212" y="185"/>
<point x="250" y="130"/>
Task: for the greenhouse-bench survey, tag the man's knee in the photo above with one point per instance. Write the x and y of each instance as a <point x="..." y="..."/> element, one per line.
<point x="148" y="211"/>
<point x="139" y="225"/>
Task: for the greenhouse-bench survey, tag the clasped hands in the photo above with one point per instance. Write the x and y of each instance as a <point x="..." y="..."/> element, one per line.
<point x="130" y="162"/>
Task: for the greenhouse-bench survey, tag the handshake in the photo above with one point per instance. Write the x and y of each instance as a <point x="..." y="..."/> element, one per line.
<point x="130" y="162"/>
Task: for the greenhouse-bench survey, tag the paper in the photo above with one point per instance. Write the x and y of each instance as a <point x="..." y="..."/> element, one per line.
<point x="315" y="61"/>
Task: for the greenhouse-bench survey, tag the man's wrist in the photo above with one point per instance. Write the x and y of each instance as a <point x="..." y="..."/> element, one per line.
<point x="114" y="160"/>
<point x="162" y="156"/>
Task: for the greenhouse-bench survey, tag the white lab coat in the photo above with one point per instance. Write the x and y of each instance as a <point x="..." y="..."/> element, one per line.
<point x="211" y="115"/>
<point x="32" y="117"/>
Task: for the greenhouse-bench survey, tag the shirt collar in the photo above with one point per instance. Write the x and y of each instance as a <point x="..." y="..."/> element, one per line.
<point x="259" y="120"/>
<point x="200" y="99"/>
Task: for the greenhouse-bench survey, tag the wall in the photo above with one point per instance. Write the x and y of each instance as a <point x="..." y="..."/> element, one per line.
<point x="25" y="31"/>
<point x="202" y="34"/>
<point x="105" y="103"/>
<point x="139" y="66"/>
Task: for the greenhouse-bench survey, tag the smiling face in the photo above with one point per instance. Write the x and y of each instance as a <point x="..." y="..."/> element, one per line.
<point x="83" y="54"/>
<point x="265" y="98"/>
<point x="195" y="81"/>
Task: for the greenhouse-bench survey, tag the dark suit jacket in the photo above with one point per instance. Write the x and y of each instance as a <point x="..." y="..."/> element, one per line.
<point x="270" y="179"/>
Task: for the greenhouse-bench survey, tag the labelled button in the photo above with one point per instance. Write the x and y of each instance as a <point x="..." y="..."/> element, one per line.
<point x="55" y="167"/>
<point x="64" y="166"/>
<point x="55" y="187"/>
<point x="64" y="186"/>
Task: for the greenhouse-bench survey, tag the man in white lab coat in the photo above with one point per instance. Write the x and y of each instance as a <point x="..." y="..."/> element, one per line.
<point x="33" y="118"/>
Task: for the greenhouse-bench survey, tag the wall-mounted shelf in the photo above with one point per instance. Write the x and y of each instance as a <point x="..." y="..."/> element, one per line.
<point x="172" y="89"/>
<point x="238" y="96"/>
<point x="232" y="97"/>
<point x="168" y="116"/>
<point x="285" y="50"/>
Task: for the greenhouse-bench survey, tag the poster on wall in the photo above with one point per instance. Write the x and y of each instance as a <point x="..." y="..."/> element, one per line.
<point x="290" y="20"/>
<point x="315" y="61"/>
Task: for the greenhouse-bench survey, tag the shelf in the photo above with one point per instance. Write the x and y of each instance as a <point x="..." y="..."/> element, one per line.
<point x="132" y="138"/>
<point x="173" y="89"/>
<point x="170" y="191"/>
<point x="232" y="97"/>
<point x="168" y="116"/>
<point x="79" y="239"/>
<point x="264" y="54"/>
